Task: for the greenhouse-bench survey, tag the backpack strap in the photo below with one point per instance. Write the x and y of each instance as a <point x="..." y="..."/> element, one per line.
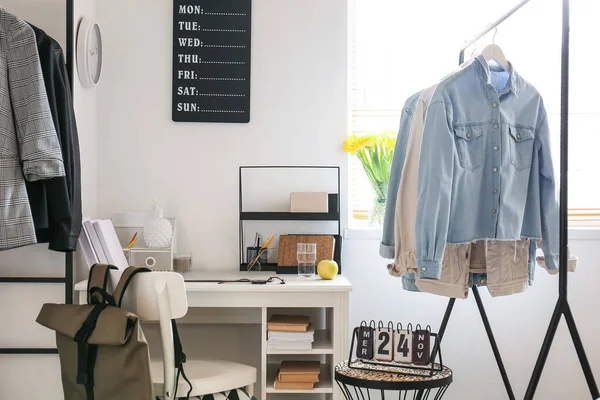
<point x="86" y="353"/>
<point x="180" y="358"/>
<point x="124" y="282"/>
<point x="98" y="278"/>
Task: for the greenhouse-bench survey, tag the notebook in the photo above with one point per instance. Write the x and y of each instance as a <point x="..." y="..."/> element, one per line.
<point x="288" y="323"/>
<point x="311" y="378"/>
<point x="294" y="385"/>
<point x="110" y="243"/>
<point x="279" y="345"/>
<point x="85" y="243"/>
<point x="304" y="371"/>
<point x="89" y="227"/>
<point x="278" y="336"/>
<point x="298" y="375"/>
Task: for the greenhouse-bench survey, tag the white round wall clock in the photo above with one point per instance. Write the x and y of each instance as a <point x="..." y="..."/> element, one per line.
<point x="89" y="53"/>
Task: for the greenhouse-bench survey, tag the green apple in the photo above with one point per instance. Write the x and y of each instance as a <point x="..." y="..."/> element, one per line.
<point x="327" y="269"/>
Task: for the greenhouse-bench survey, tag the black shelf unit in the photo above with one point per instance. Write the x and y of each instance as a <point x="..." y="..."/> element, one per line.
<point x="288" y="216"/>
<point x="67" y="280"/>
<point x="333" y="215"/>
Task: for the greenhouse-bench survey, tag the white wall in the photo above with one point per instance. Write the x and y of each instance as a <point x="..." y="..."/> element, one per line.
<point x="49" y="15"/>
<point x="298" y="116"/>
<point x="519" y="323"/>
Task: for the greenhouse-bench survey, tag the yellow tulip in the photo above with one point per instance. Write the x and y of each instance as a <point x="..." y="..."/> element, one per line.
<point x="374" y="151"/>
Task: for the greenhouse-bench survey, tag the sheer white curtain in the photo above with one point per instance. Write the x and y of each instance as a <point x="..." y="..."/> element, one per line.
<point x="400" y="47"/>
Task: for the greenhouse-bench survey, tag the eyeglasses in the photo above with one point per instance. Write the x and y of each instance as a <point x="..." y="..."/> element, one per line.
<point x="257" y="281"/>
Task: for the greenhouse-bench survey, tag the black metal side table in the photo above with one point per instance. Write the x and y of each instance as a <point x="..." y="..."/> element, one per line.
<point x="357" y="384"/>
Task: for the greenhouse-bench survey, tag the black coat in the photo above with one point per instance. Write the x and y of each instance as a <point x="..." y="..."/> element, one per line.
<point x="56" y="203"/>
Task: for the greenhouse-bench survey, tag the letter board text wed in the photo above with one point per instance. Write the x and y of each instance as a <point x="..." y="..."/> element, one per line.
<point x="211" y="60"/>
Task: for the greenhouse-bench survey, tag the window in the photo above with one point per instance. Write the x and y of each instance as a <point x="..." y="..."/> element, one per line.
<point x="398" y="48"/>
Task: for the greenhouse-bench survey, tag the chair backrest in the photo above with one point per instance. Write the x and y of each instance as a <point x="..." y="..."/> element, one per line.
<point x="157" y="297"/>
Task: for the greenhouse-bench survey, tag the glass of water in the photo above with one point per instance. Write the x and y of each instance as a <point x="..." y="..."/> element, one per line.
<point x="307" y="256"/>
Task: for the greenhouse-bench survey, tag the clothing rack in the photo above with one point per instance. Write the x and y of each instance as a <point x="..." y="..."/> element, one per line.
<point x="562" y="306"/>
<point x="67" y="280"/>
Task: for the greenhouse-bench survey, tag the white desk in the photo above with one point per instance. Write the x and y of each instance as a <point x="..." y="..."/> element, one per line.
<point x="246" y="303"/>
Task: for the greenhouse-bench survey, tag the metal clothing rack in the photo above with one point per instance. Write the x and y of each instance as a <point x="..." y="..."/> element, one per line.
<point x="67" y="280"/>
<point x="562" y="306"/>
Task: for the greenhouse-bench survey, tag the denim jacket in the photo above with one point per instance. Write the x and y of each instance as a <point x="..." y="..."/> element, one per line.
<point x="486" y="168"/>
<point x="503" y="266"/>
<point x="386" y="248"/>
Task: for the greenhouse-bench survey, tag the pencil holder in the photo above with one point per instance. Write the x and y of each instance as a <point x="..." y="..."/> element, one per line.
<point x="252" y="252"/>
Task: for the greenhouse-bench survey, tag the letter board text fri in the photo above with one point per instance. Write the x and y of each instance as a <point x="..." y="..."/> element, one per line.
<point x="211" y="60"/>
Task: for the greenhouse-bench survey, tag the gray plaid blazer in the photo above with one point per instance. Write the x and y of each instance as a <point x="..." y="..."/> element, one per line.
<point x="29" y="146"/>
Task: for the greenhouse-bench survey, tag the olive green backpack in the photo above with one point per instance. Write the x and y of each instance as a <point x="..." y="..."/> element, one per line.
<point x="103" y="352"/>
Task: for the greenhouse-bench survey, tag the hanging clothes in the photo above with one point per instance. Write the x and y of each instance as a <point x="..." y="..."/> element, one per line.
<point x="29" y="147"/>
<point x="486" y="167"/>
<point x="505" y="266"/>
<point x="460" y="261"/>
<point x="56" y="203"/>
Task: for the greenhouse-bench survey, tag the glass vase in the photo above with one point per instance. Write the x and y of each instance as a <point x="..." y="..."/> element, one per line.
<point x="378" y="210"/>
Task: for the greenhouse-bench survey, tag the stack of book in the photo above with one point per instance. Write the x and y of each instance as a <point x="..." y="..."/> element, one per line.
<point x="290" y="332"/>
<point x="298" y="375"/>
<point x="100" y="244"/>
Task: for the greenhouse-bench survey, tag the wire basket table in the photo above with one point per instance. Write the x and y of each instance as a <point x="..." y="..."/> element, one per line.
<point x="388" y="382"/>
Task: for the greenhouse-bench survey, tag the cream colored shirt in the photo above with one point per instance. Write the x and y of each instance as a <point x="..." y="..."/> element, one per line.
<point x="406" y="203"/>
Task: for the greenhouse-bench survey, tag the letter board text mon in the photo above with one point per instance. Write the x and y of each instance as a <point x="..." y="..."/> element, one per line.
<point x="211" y="60"/>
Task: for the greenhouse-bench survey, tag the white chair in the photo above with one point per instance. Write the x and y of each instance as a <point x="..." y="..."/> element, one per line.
<point x="161" y="296"/>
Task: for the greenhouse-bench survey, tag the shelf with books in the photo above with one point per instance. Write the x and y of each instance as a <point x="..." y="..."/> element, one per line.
<point x="321" y="345"/>
<point x="325" y="384"/>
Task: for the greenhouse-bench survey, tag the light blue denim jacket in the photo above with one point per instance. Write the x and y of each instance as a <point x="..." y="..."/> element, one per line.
<point x="386" y="248"/>
<point x="486" y="168"/>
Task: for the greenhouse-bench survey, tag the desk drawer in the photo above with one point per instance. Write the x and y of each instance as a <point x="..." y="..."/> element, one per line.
<point x="260" y="299"/>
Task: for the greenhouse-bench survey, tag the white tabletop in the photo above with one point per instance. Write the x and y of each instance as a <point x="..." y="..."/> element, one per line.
<point x="293" y="283"/>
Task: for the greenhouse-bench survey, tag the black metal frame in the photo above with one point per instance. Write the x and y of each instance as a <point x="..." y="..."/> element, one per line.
<point x="334" y="214"/>
<point x="432" y="368"/>
<point x="562" y="305"/>
<point x="67" y="280"/>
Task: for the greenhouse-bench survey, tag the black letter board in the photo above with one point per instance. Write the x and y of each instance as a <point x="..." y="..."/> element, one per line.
<point x="211" y="60"/>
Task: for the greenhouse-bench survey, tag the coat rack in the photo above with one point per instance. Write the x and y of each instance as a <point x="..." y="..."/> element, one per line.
<point x="562" y="306"/>
<point x="67" y="280"/>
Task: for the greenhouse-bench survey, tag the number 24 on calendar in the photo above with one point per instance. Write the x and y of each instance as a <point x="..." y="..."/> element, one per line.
<point x="398" y="345"/>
